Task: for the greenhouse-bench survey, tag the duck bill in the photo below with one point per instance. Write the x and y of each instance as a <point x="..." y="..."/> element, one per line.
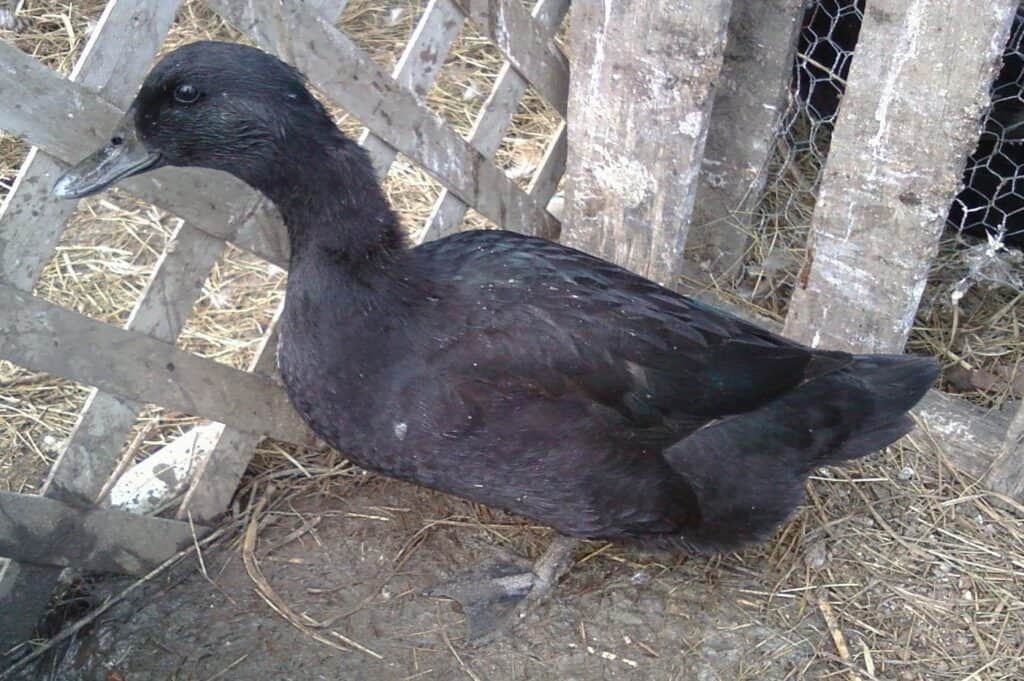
<point x="122" y="156"/>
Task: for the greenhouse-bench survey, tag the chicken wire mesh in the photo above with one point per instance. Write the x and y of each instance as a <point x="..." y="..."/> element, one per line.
<point x="989" y="207"/>
<point x="992" y="200"/>
<point x="969" y="312"/>
<point x="825" y="51"/>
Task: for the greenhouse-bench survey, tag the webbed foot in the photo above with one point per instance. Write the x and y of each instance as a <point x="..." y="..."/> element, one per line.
<point x="497" y="594"/>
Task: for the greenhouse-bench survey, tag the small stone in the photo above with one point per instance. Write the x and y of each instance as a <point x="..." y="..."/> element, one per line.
<point x="907" y="473"/>
<point x="641" y="578"/>
<point x="816" y="556"/>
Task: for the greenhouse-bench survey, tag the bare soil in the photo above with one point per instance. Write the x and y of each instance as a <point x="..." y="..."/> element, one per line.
<point x="912" y="595"/>
<point x="365" y="564"/>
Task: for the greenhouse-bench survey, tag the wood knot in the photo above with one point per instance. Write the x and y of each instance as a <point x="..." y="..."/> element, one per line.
<point x="910" y="199"/>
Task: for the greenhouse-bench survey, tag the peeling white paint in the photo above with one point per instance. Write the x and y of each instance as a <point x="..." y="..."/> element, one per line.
<point x="692" y="124"/>
<point x="853" y="281"/>
<point x="909" y="45"/>
<point x="626" y="178"/>
<point x="157" y="479"/>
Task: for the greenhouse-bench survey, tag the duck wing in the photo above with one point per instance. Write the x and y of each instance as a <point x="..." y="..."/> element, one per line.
<point x="565" y="322"/>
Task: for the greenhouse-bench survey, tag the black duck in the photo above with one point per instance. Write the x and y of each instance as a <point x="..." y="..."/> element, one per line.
<point x="503" y="368"/>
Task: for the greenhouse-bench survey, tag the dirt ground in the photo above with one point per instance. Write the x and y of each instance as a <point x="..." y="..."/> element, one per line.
<point x="913" y="596"/>
<point x="610" y="619"/>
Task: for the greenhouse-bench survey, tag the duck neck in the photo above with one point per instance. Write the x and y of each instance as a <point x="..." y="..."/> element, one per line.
<point x="333" y="206"/>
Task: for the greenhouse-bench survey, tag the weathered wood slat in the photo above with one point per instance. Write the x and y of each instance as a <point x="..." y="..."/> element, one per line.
<point x="1007" y="472"/>
<point x="346" y="75"/>
<point x="217" y="475"/>
<point x="270" y="30"/>
<point x="493" y="120"/>
<point x="42" y="107"/>
<point x="39" y="335"/>
<point x="968" y="436"/>
<point x="105" y="421"/>
<point x="526" y="46"/>
<point x="45" y="532"/>
<point x="416" y="70"/>
<point x="545" y="181"/>
<point x="418" y="67"/>
<point x="753" y="91"/>
<point x="905" y="128"/>
<point x="496" y="114"/>
<point x="642" y="90"/>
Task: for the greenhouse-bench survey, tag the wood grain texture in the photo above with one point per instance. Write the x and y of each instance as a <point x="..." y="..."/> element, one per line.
<point x="752" y="94"/>
<point x="492" y="122"/>
<point x="910" y="116"/>
<point x="525" y="44"/>
<point x="44" y="337"/>
<point x="42" y="531"/>
<point x="642" y="90"/>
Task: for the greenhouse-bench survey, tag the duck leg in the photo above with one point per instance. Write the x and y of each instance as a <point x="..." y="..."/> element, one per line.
<point x="496" y="594"/>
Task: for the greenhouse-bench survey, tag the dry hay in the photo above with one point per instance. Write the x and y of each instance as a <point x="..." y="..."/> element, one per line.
<point x="925" y="568"/>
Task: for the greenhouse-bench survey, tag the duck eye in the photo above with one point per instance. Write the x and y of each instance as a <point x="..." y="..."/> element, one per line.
<point x="186" y="94"/>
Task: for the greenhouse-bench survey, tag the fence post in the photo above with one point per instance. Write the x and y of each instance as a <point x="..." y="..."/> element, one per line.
<point x="910" y="116"/>
<point x="752" y="94"/>
<point x="641" y="91"/>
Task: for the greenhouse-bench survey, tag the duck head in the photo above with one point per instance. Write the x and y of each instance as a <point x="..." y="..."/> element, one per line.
<point x="214" y="105"/>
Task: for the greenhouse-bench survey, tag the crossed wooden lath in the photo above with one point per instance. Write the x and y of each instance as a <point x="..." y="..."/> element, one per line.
<point x="139" y="364"/>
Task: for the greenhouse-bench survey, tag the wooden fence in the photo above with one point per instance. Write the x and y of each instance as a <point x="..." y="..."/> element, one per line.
<point x="140" y="364"/>
<point x="633" y="176"/>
